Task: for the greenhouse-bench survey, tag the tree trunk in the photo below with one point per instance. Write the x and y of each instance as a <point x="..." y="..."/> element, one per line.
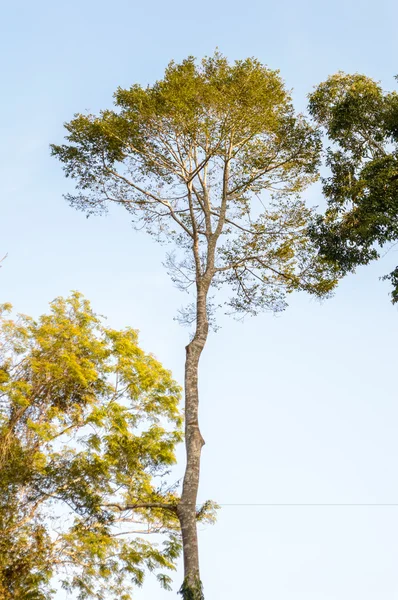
<point x="192" y="587"/>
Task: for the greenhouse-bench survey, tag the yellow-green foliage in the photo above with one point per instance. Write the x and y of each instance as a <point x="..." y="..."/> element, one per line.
<point x="87" y="420"/>
<point x="213" y="152"/>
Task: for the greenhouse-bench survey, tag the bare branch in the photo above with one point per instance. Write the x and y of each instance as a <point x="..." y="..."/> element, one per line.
<point x="139" y="505"/>
<point x="165" y="203"/>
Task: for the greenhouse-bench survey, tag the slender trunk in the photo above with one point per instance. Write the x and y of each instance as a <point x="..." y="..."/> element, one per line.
<point x="186" y="510"/>
<point x="192" y="587"/>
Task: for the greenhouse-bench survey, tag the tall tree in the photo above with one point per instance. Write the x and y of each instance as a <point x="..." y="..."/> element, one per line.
<point x="214" y="158"/>
<point x="88" y="424"/>
<point x="361" y="125"/>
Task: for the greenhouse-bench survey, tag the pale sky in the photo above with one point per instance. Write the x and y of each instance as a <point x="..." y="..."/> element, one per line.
<point x="301" y="408"/>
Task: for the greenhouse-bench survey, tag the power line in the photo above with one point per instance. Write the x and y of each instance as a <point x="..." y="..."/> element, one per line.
<point x="303" y="504"/>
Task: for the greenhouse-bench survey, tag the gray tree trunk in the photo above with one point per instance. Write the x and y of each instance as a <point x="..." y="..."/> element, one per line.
<point x="192" y="588"/>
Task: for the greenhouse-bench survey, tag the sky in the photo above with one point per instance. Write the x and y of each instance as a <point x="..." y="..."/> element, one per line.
<point x="298" y="408"/>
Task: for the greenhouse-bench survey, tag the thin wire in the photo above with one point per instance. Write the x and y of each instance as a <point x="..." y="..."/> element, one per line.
<point x="287" y="504"/>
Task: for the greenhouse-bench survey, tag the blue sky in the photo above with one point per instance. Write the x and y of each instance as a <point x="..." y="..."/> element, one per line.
<point x="299" y="408"/>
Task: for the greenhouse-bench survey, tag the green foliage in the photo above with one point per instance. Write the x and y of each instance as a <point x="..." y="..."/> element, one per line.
<point x="192" y="591"/>
<point x="213" y="153"/>
<point x="88" y="424"/>
<point x="361" y="121"/>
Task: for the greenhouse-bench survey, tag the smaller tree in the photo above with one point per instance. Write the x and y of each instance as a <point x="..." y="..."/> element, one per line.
<point x="361" y="122"/>
<point x="88" y="427"/>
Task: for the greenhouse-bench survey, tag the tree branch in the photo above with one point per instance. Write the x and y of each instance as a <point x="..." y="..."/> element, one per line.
<point x="161" y="505"/>
<point x="165" y="203"/>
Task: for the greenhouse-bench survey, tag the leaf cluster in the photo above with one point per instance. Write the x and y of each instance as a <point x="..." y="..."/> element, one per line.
<point x="360" y="120"/>
<point x="89" y="423"/>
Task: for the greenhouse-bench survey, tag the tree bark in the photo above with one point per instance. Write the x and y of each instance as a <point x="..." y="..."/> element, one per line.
<point x="186" y="510"/>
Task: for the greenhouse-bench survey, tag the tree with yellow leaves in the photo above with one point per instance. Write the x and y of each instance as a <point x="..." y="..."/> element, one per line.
<point x="88" y="424"/>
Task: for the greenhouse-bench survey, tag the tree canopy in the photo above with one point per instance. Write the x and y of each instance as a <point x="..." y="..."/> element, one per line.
<point x="360" y="120"/>
<point x="88" y="425"/>
<point x="211" y="155"/>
